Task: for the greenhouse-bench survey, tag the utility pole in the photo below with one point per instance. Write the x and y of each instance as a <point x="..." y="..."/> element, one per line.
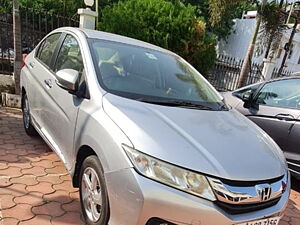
<point x="246" y="64"/>
<point x="288" y="46"/>
<point x="17" y="45"/>
<point x="291" y="10"/>
<point x="97" y="11"/>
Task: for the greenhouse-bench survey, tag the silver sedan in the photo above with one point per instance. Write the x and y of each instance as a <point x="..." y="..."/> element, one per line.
<point x="146" y="138"/>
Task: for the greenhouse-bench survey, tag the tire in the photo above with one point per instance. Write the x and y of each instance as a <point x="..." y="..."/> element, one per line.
<point x="29" y="129"/>
<point x="93" y="192"/>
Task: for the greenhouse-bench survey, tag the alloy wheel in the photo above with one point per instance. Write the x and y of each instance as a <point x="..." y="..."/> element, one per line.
<point x="91" y="194"/>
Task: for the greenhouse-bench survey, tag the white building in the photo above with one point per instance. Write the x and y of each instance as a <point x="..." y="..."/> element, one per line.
<point x="238" y="42"/>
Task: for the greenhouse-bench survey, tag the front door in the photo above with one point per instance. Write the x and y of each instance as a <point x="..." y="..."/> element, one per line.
<point x="277" y="109"/>
<point x="63" y="106"/>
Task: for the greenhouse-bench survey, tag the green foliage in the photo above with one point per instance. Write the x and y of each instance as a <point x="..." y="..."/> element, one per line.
<point x="223" y="27"/>
<point x="67" y="8"/>
<point x="221" y="9"/>
<point x="273" y="19"/>
<point x="5" y="6"/>
<point x="170" y="25"/>
<point x="64" y="7"/>
<point x="272" y="27"/>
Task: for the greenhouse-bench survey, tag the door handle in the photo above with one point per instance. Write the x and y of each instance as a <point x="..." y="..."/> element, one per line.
<point x="32" y="64"/>
<point x="286" y="117"/>
<point x="48" y="83"/>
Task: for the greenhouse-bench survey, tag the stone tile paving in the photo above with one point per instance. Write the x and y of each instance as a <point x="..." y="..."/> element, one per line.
<point x="35" y="188"/>
<point x="292" y="213"/>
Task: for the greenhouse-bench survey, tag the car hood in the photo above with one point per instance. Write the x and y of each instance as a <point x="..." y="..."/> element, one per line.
<point x="231" y="100"/>
<point x="219" y="143"/>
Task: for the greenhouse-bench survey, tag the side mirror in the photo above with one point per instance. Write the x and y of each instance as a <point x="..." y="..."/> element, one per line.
<point x="68" y="79"/>
<point x="247" y="99"/>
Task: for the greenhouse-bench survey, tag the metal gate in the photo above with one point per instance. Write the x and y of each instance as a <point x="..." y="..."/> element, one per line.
<point x="6" y="43"/>
<point x="34" y="26"/>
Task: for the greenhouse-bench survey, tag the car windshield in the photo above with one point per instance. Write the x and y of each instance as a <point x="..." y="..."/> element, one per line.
<point x="151" y="76"/>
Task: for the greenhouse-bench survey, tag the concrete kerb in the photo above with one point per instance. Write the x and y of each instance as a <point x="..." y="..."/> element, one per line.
<point x="7" y="88"/>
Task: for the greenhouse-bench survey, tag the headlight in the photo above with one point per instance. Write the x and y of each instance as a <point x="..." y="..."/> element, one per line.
<point x="171" y="175"/>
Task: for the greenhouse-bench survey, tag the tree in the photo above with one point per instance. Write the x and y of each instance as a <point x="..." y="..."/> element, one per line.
<point x="6" y="6"/>
<point x="63" y="7"/>
<point x="171" y="25"/>
<point x="273" y="25"/>
<point x="219" y="8"/>
<point x="224" y="27"/>
<point x="269" y="15"/>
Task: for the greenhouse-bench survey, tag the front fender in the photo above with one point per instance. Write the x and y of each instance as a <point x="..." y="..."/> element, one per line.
<point x="96" y="130"/>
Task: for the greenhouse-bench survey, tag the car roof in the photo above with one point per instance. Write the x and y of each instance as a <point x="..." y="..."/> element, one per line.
<point x="284" y="78"/>
<point x="95" y="34"/>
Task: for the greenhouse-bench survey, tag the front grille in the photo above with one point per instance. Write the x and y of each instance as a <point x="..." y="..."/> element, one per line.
<point x="157" y="221"/>
<point x="250" y="183"/>
<point x="245" y="208"/>
<point x="237" y="197"/>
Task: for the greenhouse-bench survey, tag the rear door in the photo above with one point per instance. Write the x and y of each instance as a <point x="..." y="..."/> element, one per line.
<point x="277" y="109"/>
<point x="39" y="65"/>
<point x="62" y="107"/>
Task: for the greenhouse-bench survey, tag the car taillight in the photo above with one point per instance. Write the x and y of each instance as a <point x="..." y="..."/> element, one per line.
<point x="23" y="59"/>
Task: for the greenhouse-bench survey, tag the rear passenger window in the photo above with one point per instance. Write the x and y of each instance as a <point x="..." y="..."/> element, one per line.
<point x="47" y="48"/>
<point x="69" y="56"/>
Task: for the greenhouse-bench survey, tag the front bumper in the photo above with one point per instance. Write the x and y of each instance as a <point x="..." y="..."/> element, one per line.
<point x="135" y="199"/>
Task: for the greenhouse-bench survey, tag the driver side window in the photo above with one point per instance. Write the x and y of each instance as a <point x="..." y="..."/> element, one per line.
<point x="69" y="56"/>
<point x="282" y="93"/>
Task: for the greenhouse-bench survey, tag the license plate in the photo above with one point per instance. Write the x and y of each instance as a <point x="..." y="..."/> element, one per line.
<point x="268" y="221"/>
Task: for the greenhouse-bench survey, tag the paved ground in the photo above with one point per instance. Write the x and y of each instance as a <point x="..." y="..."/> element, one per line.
<point x="35" y="188"/>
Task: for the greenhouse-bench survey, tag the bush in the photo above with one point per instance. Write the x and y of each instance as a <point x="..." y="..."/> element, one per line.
<point x="173" y="26"/>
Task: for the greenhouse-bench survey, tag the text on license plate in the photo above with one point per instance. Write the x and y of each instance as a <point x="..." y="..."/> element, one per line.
<point x="268" y="221"/>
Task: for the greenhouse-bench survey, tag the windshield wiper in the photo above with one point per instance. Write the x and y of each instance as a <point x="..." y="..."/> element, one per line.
<point x="176" y="103"/>
<point x="223" y="107"/>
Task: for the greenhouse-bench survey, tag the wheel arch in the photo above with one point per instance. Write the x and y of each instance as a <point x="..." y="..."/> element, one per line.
<point x="23" y="92"/>
<point x="83" y="152"/>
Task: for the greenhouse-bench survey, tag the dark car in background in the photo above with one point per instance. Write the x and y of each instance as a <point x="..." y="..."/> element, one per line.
<point x="274" y="106"/>
<point x="7" y="57"/>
